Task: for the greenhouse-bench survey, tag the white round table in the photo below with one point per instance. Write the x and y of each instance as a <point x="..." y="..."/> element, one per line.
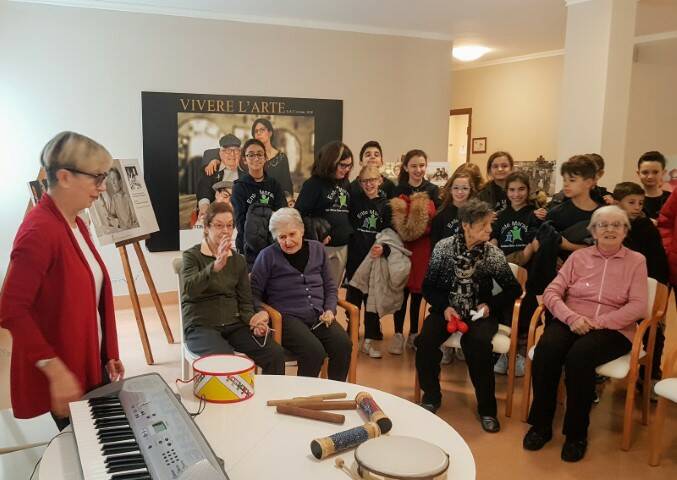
<point x="256" y="442"/>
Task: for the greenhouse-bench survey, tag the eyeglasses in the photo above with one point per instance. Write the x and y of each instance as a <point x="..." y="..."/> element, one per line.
<point x="259" y="131"/>
<point x="224" y="191"/>
<point x="221" y="226"/>
<point x="610" y="226"/>
<point x="460" y="189"/>
<point x="257" y="156"/>
<point x="345" y="166"/>
<point x="365" y="181"/>
<point x="99" y="178"/>
<point x="231" y="150"/>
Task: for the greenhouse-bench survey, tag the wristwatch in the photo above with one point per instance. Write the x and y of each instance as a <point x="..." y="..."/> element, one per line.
<point x="42" y="363"/>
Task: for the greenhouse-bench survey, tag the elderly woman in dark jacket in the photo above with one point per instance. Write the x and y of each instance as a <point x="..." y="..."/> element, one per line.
<point x="459" y="282"/>
<point x="216" y="298"/>
<point x="293" y="277"/>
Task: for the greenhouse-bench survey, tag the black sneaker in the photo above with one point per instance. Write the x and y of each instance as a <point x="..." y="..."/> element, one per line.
<point x="490" y="424"/>
<point x="535" y="440"/>
<point x="574" y="450"/>
<point x="432" y="407"/>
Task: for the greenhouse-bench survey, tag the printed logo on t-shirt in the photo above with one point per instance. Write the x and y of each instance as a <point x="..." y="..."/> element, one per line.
<point x="369" y="219"/>
<point x="513" y="234"/>
<point x="452" y="228"/>
<point x="338" y="198"/>
<point x="263" y="197"/>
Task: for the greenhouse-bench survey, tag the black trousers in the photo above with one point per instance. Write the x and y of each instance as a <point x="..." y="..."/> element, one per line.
<point x="414" y="310"/>
<point x="372" y="322"/>
<point x="227" y="339"/>
<point x="312" y="345"/>
<point x="579" y="355"/>
<point x="478" y="351"/>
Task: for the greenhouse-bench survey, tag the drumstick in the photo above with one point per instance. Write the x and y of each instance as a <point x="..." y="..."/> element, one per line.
<point x="324" y="396"/>
<point x="316" y="404"/>
<point x="311" y="414"/>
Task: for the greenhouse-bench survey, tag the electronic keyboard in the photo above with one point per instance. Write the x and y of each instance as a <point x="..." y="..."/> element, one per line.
<point x="137" y="429"/>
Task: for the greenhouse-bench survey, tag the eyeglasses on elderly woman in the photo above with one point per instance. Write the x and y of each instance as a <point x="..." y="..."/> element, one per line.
<point x="610" y="225"/>
<point x="99" y="178"/>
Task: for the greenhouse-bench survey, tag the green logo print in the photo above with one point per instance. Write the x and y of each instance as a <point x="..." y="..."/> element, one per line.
<point x="516" y="234"/>
<point x="371" y="221"/>
<point x="265" y="199"/>
<point x="343" y="200"/>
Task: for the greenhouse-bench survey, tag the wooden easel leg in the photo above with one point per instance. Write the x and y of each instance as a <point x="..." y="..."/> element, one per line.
<point x="153" y="292"/>
<point x="135" y="304"/>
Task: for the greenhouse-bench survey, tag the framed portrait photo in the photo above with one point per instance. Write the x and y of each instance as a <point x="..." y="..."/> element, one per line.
<point x="479" y="145"/>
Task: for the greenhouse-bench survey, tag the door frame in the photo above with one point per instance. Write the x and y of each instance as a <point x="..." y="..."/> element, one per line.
<point x="465" y="111"/>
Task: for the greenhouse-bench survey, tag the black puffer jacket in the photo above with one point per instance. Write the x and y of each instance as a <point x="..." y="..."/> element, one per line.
<point x="316" y="228"/>
<point x="256" y="233"/>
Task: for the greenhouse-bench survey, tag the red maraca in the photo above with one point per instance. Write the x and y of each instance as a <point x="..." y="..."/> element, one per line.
<point x="456" y="324"/>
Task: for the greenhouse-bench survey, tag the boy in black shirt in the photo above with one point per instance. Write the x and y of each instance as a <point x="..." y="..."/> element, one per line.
<point x="651" y="170"/>
<point x="372" y="154"/>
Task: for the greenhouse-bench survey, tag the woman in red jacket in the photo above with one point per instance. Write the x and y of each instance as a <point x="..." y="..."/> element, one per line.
<point x="57" y="300"/>
<point x="667" y="225"/>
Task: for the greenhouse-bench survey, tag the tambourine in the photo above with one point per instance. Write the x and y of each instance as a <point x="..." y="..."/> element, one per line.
<point x="403" y="458"/>
<point x="223" y="378"/>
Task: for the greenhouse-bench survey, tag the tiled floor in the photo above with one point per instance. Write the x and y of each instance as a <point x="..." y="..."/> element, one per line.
<point x="497" y="456"/>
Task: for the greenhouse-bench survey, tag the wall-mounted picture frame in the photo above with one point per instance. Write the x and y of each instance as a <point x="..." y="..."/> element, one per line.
<point x="479" y="145"/>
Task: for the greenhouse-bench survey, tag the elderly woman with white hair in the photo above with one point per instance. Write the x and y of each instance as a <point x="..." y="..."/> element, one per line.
<point x="293" y="276"/>
<point x="597" y="297"/>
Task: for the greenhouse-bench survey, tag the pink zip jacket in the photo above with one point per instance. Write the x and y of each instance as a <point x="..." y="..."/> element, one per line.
<point x="610" y="291"/>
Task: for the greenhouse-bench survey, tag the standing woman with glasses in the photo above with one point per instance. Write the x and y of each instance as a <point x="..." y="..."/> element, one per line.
<point x="325" y="195"/>
<point x="499" y="166"/>
<point x="277" y="165"/>
<point x="57" y="300"/>
<point x="255" y="188"/>
<point x="456" y="192"/>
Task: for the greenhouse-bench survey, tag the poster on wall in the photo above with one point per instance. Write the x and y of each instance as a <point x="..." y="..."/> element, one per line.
<point x="124" y="210"/>
<point x="670" y="178"/>
<point x="541" y="174"/>
<point x="190" y="144"/>
<point x="438" y="173"/>
<point x="37" y="188"/>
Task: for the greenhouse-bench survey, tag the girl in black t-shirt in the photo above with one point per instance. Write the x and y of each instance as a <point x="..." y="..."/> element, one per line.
<point x="516" y="225"/>
<point x="455" y="193"/>
<point x="499" y="166"/>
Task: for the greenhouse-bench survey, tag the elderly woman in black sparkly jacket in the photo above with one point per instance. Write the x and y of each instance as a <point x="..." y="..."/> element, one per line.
<point x="458" y="283"/>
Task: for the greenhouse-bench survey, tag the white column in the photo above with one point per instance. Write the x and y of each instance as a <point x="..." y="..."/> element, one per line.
<point x="596" y="88"/>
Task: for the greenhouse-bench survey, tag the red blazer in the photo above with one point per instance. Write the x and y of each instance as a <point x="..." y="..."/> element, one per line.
<point x="667" y="225"/>
<point x="49" y="306"/>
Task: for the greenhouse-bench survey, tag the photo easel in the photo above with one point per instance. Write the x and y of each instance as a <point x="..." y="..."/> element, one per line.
<point x="133" y="295"/>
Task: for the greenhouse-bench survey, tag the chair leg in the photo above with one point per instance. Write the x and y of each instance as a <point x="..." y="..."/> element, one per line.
<point x="325" y="369"/>
<point x="646" y="390"/>
<point x="512" y="359"/>
<point x="656" y="432"/>
<point x="627" y="414"/>
<point x="526" y="389"/>
<point x="417" y="389"/>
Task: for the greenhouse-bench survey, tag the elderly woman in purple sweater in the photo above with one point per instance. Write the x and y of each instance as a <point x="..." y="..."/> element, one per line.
<point x="293" y="277"/>
<point x="596" y="299"/>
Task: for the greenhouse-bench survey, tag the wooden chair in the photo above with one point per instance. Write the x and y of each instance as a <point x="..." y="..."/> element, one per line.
<point x="625" y="367"/>
<point x="503" y="342"/>
<point x="353" y="318"/>
<point x="666" y="390"/>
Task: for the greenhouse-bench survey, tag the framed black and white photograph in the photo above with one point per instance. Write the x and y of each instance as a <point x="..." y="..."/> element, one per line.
<point x="479" y="145"/>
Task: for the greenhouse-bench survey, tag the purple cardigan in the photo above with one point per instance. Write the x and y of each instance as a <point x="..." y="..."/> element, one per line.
<point x="276" y="282"/>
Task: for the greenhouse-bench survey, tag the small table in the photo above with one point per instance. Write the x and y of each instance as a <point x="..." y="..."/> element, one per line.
<point x="256" y="442"/>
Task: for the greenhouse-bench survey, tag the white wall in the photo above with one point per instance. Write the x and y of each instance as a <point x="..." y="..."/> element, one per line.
<point x="514" y="105"/>
<point x="83" y="70"/>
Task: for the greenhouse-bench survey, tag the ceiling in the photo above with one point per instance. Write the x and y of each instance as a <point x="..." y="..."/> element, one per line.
<point x="510" y="27"/>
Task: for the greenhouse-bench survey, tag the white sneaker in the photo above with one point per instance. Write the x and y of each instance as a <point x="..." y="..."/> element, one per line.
<point x="447" y="355"/>
<point x="501" y="366"/>
<point x="459" y="354"/>
<point x="410" y="340"/>
<point x="396" y="344"/>
<point x="370" y="349"/>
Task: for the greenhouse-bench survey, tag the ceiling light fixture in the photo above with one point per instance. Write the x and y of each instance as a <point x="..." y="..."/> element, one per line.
<point x="469" y="53"/>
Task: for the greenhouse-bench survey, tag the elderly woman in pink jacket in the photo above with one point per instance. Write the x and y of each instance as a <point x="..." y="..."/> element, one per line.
<point x="597" y="297"/>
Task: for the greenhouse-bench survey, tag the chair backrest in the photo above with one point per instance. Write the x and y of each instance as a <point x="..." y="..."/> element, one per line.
<point x="177" y="264"/>
<point x="520" y="275"/>
<point x="652" y="285"/>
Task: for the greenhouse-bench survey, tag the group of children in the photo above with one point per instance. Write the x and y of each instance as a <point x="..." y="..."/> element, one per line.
<point x="516" y="230"/>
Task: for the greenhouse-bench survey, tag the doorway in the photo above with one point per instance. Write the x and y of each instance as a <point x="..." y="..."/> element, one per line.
<point x="460" y="123"/>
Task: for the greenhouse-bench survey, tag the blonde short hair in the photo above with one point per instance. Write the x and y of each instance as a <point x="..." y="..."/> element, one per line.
<point x="284" y="217"/>
<point x="369" y="170"/>
<point x="72" y="150"/>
